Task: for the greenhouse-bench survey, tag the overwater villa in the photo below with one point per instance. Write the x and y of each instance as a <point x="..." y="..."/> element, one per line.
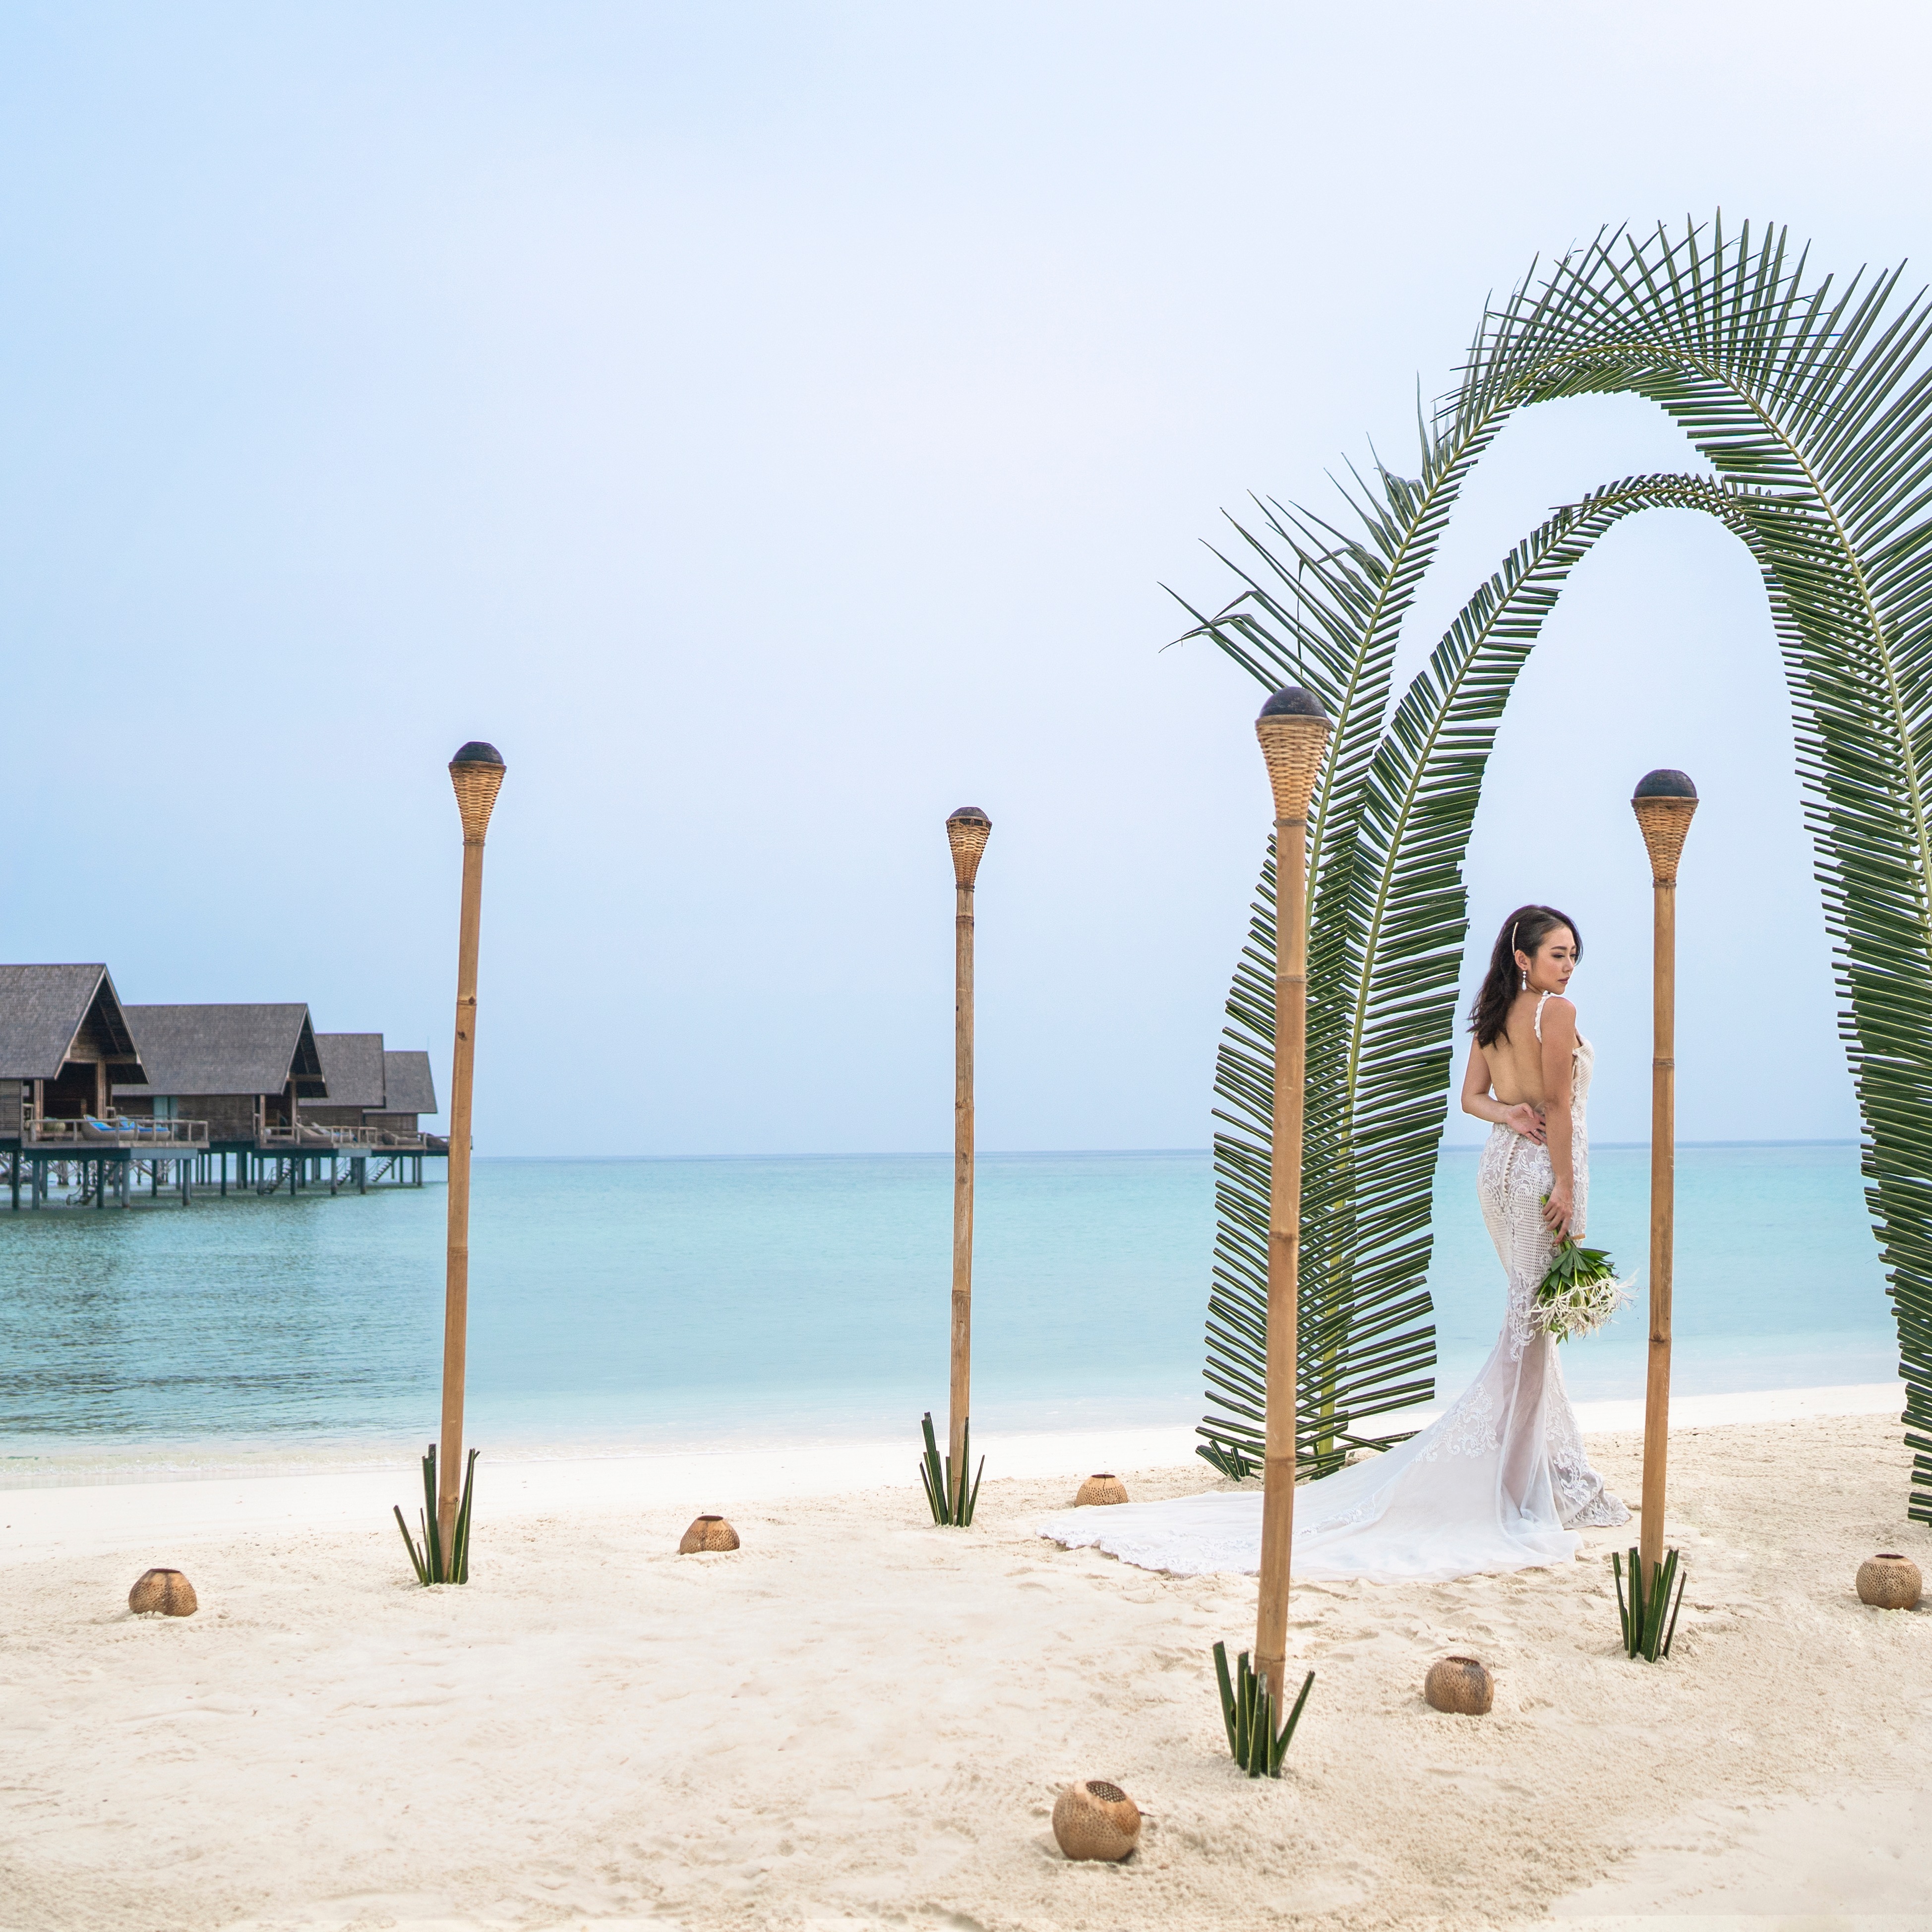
<point x="408" y="1093"/>
<point x="243" y="1069"/>
<point x="64" y="1045"/>
<point x="105" y="1097"/>
<point x="375" y="1098"/>
<point x="352" y="1071"/>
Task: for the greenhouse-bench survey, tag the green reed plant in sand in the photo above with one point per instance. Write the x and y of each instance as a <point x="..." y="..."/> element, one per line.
<point x="1248" y="1710"/>
<point x="1646" y="1633"/>
<point x="952" y="1504"/>
<point x="430" y="1562"/>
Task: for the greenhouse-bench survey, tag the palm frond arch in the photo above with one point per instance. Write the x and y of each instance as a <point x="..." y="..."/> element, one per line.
<point x="1814" y="408"/>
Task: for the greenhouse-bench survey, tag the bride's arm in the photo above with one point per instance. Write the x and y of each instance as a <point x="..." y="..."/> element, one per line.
<point x="1559" y="1067"/>
<point x="1477" y="1100"/>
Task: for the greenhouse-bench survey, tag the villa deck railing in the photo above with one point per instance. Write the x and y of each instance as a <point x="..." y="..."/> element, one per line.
<point x="310" y="1138"/>
<point x="161" y="1137"/>
<point x="318" y="1139"/>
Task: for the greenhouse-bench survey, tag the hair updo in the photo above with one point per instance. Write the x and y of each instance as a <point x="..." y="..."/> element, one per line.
<point x="1524" y="930"/>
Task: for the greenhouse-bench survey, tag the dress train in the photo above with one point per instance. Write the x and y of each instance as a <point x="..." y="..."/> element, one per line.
<point x="1500" y="1481"/>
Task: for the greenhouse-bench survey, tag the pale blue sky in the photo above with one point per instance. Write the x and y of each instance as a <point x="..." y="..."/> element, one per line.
<point x="770" y="425"/>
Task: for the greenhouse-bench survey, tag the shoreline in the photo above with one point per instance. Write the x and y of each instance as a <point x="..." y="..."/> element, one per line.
<point x="220" y="1458"/>
<point x="181" y="1510"/>
<point x="847" y="1461"/>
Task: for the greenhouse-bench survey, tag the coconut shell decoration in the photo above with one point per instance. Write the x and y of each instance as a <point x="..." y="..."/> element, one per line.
<point x="1101" y="1488"/>
<point x="1460" y="1685"/>
<point x="1890" y="1582"/>
<point x="166" y="1591"/>
<point x="1095" y="1820"/>
<point x="708" y="1532"/>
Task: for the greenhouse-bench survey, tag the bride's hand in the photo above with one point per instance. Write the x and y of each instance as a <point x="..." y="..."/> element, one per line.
<point x="1556" y="1208"/>
<point x="1526" y="1120"/>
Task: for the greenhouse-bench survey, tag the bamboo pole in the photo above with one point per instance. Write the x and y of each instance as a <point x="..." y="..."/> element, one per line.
<point x="1294" y="732"/>
<point x="1664" y="801"/>
<point x="477" y="773"/>
<point x="967" y="832"/>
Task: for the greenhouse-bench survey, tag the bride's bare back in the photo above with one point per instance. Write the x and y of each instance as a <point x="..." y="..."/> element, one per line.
<point x="1520" y="1065"/>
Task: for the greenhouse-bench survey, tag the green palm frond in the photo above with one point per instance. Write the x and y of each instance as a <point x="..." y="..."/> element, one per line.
<point x="1813" y="407"/>
<point x="1385" y="1027"/>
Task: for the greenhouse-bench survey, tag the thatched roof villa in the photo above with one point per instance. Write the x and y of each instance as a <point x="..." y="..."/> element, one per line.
<point x="65" y="1045"/>
<point x="379" y="1094"/>
<point x="352" y="1069"/>
<point x="408" y="1093"/>
<point x="241" y="1069"/>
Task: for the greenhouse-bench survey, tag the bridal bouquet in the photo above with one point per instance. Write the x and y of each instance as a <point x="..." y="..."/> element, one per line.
<point x="1581" y="1292"/>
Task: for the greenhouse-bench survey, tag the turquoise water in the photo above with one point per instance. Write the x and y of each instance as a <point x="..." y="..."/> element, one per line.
<point x="1777" y="1280"/>
<point x="688" y="1300"/>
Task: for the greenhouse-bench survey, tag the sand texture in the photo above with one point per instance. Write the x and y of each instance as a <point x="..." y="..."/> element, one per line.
<point x="859" y="1720"/>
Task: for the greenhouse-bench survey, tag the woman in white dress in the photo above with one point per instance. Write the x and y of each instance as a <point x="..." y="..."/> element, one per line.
<point x="1501" y="1480"/>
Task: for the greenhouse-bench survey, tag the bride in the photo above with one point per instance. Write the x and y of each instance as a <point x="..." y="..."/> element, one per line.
<point x="1501" y="1480"/>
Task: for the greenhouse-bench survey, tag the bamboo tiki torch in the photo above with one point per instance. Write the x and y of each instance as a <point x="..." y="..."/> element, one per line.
<point x="477" y="772"/>
<point x="967" y="832"/>
<point x="1293" y="733"/>
<point x="1664" y="802"/>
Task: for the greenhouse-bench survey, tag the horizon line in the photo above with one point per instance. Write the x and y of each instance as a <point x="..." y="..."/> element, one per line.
<point x="1043" y="1153"/>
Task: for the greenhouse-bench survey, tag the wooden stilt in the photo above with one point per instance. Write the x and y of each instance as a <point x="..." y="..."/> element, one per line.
<point x="1293" y="733"/>
<point x="477" y="772"/>
<point x="1664" y="802"/>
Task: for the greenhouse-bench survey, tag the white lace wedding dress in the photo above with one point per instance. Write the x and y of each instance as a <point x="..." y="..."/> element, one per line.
<point x="1497" y="1483"/>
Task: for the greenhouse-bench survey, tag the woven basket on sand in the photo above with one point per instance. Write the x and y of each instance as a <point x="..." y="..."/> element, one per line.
<point x="1095" y="1820"/>
<point x="708" y="1532"/>
<point x="1460" y="1685"/>
<point x="167" y="1591"/>
<point x="1101" y="1488"/>
<point x="1890" y="1582"/>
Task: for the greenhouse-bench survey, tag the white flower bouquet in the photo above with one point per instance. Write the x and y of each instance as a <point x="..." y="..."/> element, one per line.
<point x="1581" y="1291"/>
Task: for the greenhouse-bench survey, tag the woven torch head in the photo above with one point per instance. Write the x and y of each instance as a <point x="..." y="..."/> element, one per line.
<point x="477" y="772"/>
<point x="1293" y="729"/>
<point x="1664" y="802"/>
<point x="967" y="832"/>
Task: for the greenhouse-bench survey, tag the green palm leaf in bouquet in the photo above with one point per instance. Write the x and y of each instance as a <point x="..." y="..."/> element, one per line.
<point x="1580" y="1292"/>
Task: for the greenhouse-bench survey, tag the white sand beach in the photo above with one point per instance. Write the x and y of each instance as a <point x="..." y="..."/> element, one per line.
<point x="859" y="1720"/>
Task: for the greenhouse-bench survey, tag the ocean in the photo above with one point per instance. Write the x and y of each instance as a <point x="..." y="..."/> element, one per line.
<point x="696" y="1302"/>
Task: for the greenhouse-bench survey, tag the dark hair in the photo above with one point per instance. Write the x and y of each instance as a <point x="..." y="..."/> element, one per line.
<point x="1524" y="930"/>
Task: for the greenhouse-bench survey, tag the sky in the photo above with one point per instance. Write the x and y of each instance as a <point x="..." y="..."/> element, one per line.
<point x="773" y="427"/>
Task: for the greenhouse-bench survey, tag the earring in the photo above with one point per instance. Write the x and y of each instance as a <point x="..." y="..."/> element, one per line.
<point x="1525" y="980"/>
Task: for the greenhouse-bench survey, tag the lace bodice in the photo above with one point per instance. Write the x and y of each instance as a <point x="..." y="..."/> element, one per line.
<point x="1513" y="1179"/>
